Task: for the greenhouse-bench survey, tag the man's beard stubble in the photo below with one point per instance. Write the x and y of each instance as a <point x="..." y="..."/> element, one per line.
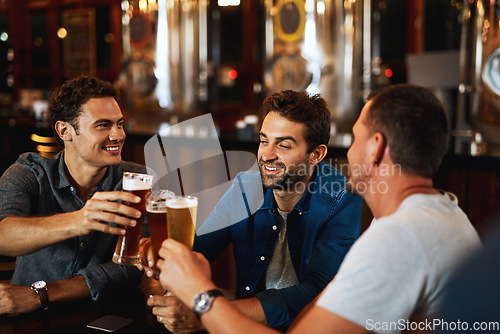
<point x="290" y="179"/>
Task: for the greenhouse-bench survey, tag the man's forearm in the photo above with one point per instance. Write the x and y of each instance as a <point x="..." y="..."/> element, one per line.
<point x="68" y="289"/>
<point x="252" y="308"/>
<point x="22" y="235"/>
<point x="224" y="318"/>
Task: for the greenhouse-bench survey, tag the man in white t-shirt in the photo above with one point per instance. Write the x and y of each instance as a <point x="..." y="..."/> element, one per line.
<point x="394" y="276"/>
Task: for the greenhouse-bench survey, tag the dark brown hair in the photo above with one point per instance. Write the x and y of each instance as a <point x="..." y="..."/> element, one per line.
<point x="300" y="107"/>
<point x="414" y="123"/>
<point x="66" y="101"/>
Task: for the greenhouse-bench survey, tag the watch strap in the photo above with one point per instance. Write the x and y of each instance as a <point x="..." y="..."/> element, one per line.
<point x="214" y="293"/>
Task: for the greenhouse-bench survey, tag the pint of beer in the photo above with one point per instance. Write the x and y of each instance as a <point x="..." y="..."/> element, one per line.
<point x="181" y="219"/>
<point x="127" y="247"/>
<point x="157" y="219"/>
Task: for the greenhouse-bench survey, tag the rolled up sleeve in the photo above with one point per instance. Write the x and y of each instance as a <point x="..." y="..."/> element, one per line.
<point x="105" y="278"/>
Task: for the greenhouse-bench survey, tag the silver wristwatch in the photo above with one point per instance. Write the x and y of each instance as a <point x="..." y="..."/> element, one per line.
<point x="40" y="288"/>
<point x="203" y="301"/>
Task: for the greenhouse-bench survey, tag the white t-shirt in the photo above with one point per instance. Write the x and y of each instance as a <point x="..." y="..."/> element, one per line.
<point x="399" y="268"/>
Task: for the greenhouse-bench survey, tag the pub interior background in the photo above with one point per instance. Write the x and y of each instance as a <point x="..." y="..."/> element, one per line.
<point x="176" y="59"/>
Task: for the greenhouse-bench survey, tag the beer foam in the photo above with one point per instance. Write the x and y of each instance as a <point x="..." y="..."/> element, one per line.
<point x="182" y="202"/>
<point x="153" y="209"/>
<point x="135" y="184"/>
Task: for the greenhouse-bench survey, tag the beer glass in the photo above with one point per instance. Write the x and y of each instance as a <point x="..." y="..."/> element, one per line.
<point x="127" y="247"/>
<point x="181" y="219"/>
<point x="157" y="220"/>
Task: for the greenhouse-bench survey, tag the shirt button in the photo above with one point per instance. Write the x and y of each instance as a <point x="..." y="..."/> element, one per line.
<point x="247" y="288"/>
<point x="275" y="227"/>
<point x="300" y="213"/>
<point x="262" y="258"/>
<point x="72" y="188"/>
<point x="82" y="244"/>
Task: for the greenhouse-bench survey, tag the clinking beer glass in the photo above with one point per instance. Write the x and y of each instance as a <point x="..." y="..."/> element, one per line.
<point x="127" y="247"/>
<point x="181" y="219"/>
<point x="156" y="208"/>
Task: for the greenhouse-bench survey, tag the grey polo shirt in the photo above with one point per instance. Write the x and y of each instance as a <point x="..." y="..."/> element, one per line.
<point x="37" y="186"/>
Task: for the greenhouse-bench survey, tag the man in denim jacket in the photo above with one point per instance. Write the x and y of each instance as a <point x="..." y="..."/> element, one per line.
<point x="292" y="245"/>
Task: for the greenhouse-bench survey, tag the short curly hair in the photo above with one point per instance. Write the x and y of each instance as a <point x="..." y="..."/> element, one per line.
<point x="66" y="101"/>
<point x="300" y="107"/>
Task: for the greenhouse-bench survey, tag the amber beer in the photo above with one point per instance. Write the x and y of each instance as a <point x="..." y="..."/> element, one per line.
<point x="127" y="247"/>
<point x="181" y="219"/>
<point x="157" y="221"/>
<point x="157" y="218"/>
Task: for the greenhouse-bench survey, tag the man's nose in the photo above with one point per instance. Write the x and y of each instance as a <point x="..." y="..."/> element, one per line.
<point x="268" y="153"/>
<point x="116" y="134"/>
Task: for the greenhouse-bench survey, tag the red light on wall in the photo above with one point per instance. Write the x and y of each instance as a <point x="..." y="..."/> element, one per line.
<point x="232" y="74"/>
<point x="388" y="73"/>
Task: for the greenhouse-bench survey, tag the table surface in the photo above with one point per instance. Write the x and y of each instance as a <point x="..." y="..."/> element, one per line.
<point x="73" y="317"/>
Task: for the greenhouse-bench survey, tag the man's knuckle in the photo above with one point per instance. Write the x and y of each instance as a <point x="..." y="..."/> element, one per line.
<point x="110" y="217"/>
<point x="116" y="206"/>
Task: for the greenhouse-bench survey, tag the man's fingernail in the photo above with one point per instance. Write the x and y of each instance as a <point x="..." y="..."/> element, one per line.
<point x="150" y="263"/>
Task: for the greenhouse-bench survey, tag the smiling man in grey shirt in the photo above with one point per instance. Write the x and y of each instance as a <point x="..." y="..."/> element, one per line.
<point x="53" y="212"/>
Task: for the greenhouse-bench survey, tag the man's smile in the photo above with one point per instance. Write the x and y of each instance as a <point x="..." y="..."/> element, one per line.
<point x="271" y="169"/>
<point x="112" y="148"/>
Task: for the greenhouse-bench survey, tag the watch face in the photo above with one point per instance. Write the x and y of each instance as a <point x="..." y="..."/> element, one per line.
<point x="203" y="303"/>
<point x="39" y="285"/>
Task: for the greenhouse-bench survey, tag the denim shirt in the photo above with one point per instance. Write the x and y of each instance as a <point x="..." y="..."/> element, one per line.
<point x="37" y="186"/>
<point x="322" y="226"/>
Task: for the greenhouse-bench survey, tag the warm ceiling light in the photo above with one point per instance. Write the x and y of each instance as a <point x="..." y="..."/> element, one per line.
<point x="225" y="3"/>
<point x="62" y="33"/>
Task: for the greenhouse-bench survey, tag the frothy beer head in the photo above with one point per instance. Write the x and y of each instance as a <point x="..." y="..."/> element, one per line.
<point x="135" y="181"/>
<point x="182" y="202"/>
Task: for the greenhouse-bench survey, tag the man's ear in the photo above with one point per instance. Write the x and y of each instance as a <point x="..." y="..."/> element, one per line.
<point x="379" y="145"/>
<point x="317" y="154"/>
<point x="63" y="130"/>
